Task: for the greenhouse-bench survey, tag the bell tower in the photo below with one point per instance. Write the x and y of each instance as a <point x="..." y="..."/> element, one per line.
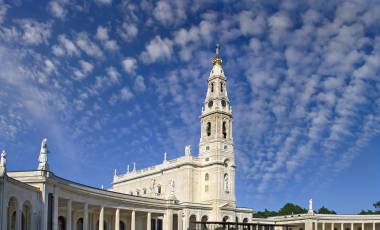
<point x="216" y="142"/>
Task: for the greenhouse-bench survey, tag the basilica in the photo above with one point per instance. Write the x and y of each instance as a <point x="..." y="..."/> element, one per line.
<point x="173" y="195"/>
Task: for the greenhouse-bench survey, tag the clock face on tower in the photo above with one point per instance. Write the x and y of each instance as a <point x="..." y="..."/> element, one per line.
<point x="210" y="104"/>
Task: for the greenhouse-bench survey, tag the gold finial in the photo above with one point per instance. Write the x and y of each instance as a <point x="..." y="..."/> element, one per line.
<point x="217" y="59"/>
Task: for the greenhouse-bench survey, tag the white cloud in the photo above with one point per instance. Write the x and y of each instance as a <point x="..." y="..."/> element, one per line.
<point x="129" y="65"/>
<point x="102" y="33"/>
<point x="104" y="2"/>
<point x="139" y="84"/>
<point x="34" y="32"/>
<point x="128" y="31"/>
<point x="170" y="12"/>
<point x="65" y="47"/>
<point x="87" y="46"/>
<point x="157" y="49"/>
<point x="3" y="11"/>
<point x="85" y="69"/>
<point x="124" y="94"/>
<point x="113" y="74"/>
<point x="57" y="9"/>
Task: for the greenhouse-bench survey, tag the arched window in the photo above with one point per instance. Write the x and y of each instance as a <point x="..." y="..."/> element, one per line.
<point x="224" y="130"/>
<point x="204" y="222"/>
<point x="208" y="128"/>
<point x="80" y="224"/>
<point x="144" y="191"/>
<point x="221" y="87"/>
<point x="212" y="87"/>
<point x="206" y="177"/>
<point x="137" y="192"/>
<point x="159" y="189"/>
<point x="26" y="217"/>
<point x="12" y="215"/>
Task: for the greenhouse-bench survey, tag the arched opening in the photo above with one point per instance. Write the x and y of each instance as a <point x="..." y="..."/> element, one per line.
<point x="204" y="219"/>
<point x="61" y="223"/>
<point x="206" y="177"/>
<point x="225" y="219"/>
<point x="208" y="128"/>
<point x="224" y="130"/>
<point x="221" y="87"/>
<point x="12" y="214"/>
<point x="122" y="225"/>
<point x="79" y="225"/>
<point x="192" y="220"/>
<point x="226" y="163"/>
<point x="245" y="220"/>
<point x="26" y="216"/>
<point x="144" y="191"/>
<point x="212" y="87"/>
<point x="159" y="189"/>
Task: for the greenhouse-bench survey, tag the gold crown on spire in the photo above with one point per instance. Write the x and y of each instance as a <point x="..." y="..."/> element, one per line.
<point x="217" y="59"/>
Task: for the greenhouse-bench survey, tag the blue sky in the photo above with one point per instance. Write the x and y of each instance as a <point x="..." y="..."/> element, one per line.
<point x="113" y="82"/>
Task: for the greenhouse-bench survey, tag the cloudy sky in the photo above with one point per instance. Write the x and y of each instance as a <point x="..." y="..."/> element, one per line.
<point x="112" y="82"/>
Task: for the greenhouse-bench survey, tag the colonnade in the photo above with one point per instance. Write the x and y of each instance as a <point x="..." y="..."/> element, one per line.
<point x="344" y="225"/>
<point x="118" y="217"/>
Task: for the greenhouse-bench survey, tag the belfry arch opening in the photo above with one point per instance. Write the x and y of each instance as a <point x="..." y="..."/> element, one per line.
<point x="208" y="128"/>
<point x="224" y="128"/>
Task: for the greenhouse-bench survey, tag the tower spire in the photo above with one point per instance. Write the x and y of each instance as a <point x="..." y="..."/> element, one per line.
<point x="217" y="59"/>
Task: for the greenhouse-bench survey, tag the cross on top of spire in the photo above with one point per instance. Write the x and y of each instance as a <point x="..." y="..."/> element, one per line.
<point x="217" y="59"/>
<point x="217" y="49"/>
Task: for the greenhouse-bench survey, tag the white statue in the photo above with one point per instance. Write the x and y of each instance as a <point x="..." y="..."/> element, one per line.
<point x="165" y="157"/>
<point x="3" y="163"/>
<point x="43" y="159"/>
<point x="3" y="159"/>
<point x="188" y="150"/>
<point x="152" y="186"/>
<point x="128" y="168"/>
<point x="134" y="167"/>
<point x="115" y="173"/>
<point x="172" y="186"/>
<point x="311" y="204"/>
<point x="226" y="183"/>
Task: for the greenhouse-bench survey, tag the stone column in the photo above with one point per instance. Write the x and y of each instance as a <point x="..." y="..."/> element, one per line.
<point x="55" y="210"/>
<point x="308" y="225"/>
<point x="185" y="221"/>
<point x="180" y="220"/>
<point x="133" y="220"/>
<point x="85" y="216"/>
<point x="323" y="226"/>
<point x="316" y="225"/>
<point x="101" y="218"/>
<point x="373" y="226"/>
<point x="18" y="217"/>
<point x="69" y="215"/>
<point x="148" y="221"/>
<point x="342" y="226"/>
<point x="168" y="220"/>
<point x="332" y="226"/>
<point x="363" y="226"/>
<point x="117" y="219"/>
<point x="352" y="226"/>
